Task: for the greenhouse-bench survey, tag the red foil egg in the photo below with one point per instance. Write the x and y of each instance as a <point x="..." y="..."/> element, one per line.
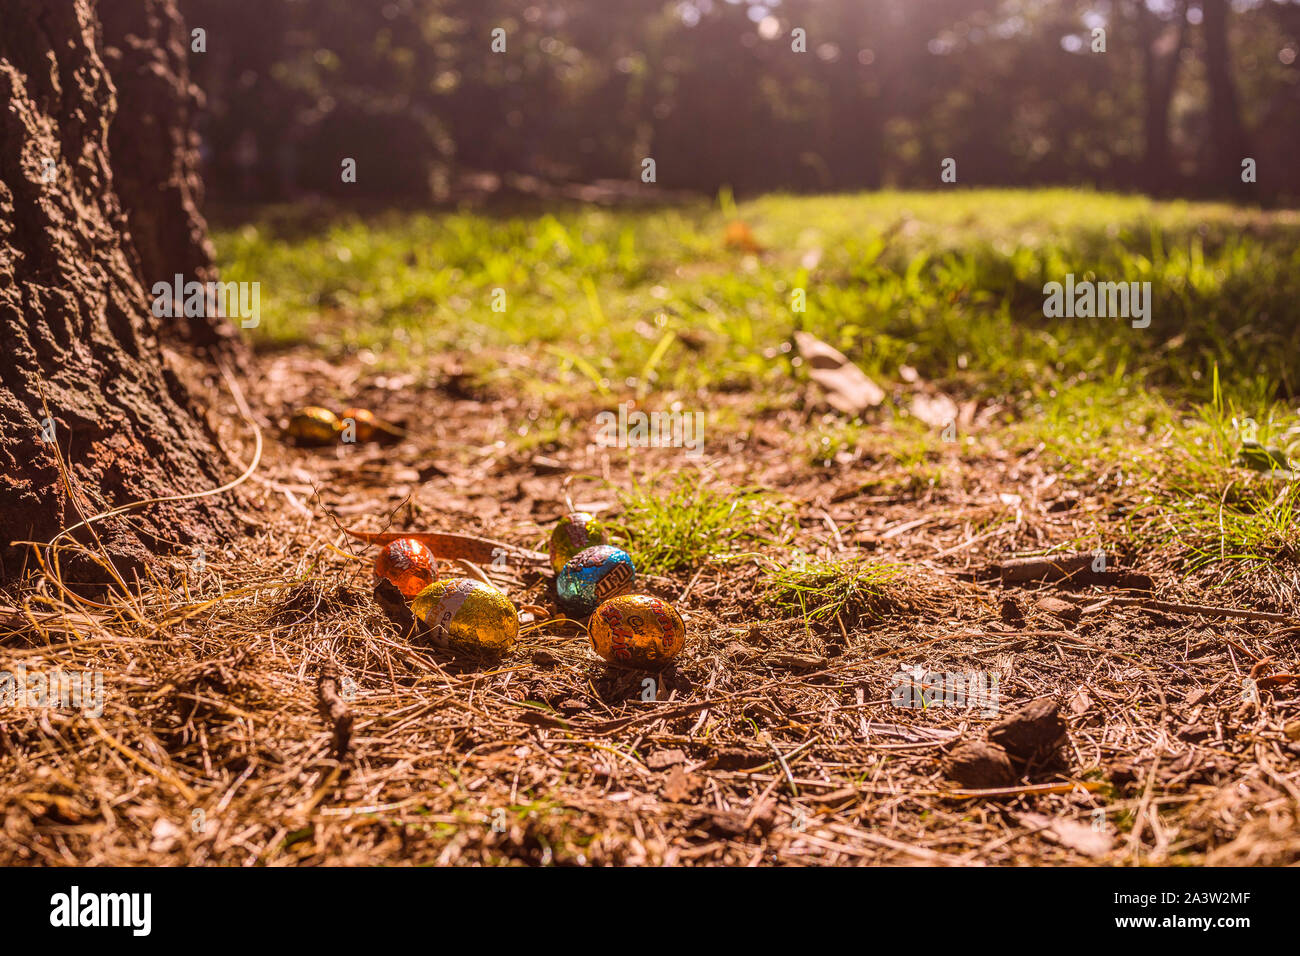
<point x="409" y="565"/>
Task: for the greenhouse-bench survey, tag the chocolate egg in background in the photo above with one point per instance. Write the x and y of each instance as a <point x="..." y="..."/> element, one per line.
<point x="365" y="427"/>
<point x="314" y="425"/>
<point x="469" y="615"/>
<point x="575" y="532"/>
<point x="638" y="630"/>
<point x="591" y="576"/>
<point x="408" y="564"/>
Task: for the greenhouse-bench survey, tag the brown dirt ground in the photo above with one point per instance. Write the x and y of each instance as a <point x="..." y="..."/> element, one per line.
<point x="770" y="743"/>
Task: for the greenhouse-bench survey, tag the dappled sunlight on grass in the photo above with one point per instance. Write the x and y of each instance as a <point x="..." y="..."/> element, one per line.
<point x="596" y="304"/>
<point x="949" y="283"/>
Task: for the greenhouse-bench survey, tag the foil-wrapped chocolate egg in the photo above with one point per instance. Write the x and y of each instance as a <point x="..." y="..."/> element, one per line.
<point x="638" y="630"/>
<point x="469" y="615"/>
<point x="314" y="426"/>
<point x="575" y="532"/>
<point x="591" y="576"/>
<point x="409" y="565"/>
<point x="364" y="424"/>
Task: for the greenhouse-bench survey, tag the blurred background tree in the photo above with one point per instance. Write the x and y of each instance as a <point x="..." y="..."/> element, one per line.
<point x="713" y="91"/>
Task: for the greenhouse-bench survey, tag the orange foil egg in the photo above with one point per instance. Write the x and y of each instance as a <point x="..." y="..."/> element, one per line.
<point x="637" y="630"/>
<point x="409" y="565"/>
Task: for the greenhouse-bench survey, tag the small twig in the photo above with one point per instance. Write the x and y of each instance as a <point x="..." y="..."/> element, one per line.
<point x="334" y="710"/>
<point x="452" y="546"/>
<point x="1175" y="608"/>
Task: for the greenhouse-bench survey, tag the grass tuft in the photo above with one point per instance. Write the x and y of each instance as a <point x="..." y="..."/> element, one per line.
<point x="822" y="593"/>
<point x="681" y="524"/>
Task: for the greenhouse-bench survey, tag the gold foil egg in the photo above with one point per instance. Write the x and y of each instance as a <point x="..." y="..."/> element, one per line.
<point x="637" y="630"/>
<point x="409" y="565"/>
<point x="575" y="532"/>
<point x="314" y="426"/>
<point x="469" y="615"/>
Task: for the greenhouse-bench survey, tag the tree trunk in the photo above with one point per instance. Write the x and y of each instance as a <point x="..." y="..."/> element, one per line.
<point x="1159" y="75"/>
<point x="1227" y="135"/>
<point x="155" y="157"/>
<point x="81" y="368"/>
<point x="855" y="151"/>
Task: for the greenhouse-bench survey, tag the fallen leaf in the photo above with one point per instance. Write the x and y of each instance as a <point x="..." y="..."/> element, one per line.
<point x="679" y="785"/>
<point x="165" y="836"/>
<point x="847" y="386"/>
<point x="662" y="759"/>
<point x="935" y="410"/>
<point x="1080" y="702"/>
<point x="1089" y="841"/>
<point x="1061" y="610"/>
<point x="739" y="236"/>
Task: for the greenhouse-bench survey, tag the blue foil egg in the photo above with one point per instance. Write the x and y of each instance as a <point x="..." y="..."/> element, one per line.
<point x="592" y="576"/>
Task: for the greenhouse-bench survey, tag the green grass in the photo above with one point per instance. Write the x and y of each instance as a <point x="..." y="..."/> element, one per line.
<point x="613" y="305"/>
<point x="681" y="523"/>
<point x="950" y="283"/>
<point x="819" y="592"/>
<point x="1174" y="467"/>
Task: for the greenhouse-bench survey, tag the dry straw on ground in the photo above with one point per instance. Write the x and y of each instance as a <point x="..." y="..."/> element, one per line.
<point x="264" y="709"/>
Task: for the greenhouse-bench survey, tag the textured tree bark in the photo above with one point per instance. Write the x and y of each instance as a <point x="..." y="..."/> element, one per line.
<point x="155" y="157"/>
<point x="81" y="368"/>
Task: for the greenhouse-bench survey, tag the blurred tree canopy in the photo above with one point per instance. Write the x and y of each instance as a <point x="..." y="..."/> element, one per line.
<point x="1014" y="90"/>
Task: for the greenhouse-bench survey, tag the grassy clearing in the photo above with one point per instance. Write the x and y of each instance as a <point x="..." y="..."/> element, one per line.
<point x="607" y="305"/>
<point x="751" y="739"/>
<point x="1176" y="469"/>
<point x="949" y="283"/>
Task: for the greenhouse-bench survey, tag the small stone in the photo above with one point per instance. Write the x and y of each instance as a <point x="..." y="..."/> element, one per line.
<point x="1011" y="612"/>
<point x="1034" y="730"/>
<point x="980" y="765"/>
<point x="1193" y="733"/>
<point x="662" y="759"/>
<point x="166" y="836"/>
<point x="1061" y="610"/>
<point x="1122" y="773"/>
